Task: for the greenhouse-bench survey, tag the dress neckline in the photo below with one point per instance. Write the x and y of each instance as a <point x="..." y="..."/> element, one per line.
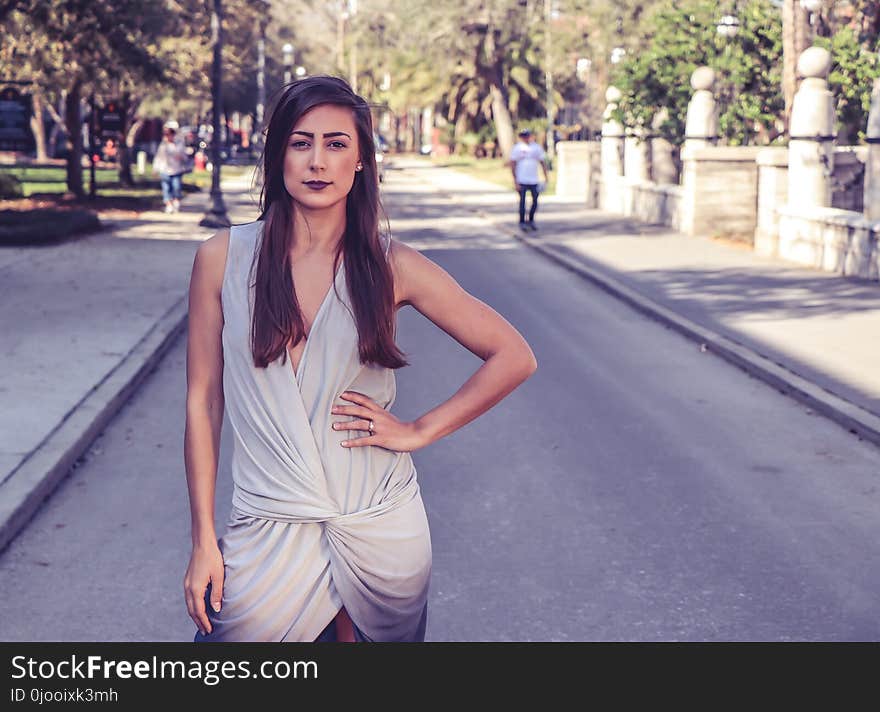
<point x="316" y="322"/>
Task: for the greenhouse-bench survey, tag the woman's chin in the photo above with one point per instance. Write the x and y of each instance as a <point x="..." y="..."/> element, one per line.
<point x="318" y="200"/>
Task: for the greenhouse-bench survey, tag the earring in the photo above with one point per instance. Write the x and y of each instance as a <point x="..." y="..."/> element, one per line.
<point x="358" y="167"/>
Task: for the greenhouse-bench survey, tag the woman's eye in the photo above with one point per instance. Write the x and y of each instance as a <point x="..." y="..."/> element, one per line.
<point x="299" y="144"/>
<point x="337" y="144"/>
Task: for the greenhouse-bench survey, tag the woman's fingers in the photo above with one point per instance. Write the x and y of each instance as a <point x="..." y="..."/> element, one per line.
<point x="217" y="589"/>
<point x="353" y="425"/>
<point x="195" y="604"/>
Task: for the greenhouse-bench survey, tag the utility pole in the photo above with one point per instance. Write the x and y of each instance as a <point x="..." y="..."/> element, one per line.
<point x="352" y="55"/>
<point x="261" y="83"/>
<point x="216" y="214"/>
<point x="548" y="80"/>
<point x="341" y="17"/>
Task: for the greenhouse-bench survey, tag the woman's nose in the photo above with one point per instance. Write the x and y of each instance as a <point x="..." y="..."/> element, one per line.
<point x="317" y="162"/>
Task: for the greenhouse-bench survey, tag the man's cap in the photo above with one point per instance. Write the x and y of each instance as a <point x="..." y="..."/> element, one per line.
<point x="525" y="132"/>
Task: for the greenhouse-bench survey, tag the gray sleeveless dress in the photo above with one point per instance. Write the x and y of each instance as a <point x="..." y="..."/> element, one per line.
<point x="313" y="526"/>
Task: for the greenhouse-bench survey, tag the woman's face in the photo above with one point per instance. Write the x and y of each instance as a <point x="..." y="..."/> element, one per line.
<point x="321" y="157"/>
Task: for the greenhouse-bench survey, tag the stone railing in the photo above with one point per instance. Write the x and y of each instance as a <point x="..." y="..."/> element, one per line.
<point x="830" y="239"/>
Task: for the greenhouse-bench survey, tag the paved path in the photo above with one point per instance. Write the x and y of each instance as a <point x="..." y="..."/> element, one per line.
<point x="635" y="488"/>
<point x="822" y="329"/>
<point x="82" y="323"/>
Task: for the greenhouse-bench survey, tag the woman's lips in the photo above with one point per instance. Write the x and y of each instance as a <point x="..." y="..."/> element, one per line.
<point x="316" y="185"/>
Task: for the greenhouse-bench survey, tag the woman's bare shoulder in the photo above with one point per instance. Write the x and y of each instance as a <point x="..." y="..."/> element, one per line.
<point x="210" y="260"/>
<point x="409" y="266"/>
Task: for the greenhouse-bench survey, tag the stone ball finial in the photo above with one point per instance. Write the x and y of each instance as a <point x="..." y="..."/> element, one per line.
<point x="613" y="95"/>
<point x="703" y="78"/>
<point x="814" y="62"/>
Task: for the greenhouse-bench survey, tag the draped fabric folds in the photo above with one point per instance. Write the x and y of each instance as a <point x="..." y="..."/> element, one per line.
<point x="313" y="526"/>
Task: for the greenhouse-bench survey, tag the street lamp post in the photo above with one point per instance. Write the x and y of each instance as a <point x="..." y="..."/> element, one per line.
<point x="216" y="215"/>
<point x="287" y="49"/>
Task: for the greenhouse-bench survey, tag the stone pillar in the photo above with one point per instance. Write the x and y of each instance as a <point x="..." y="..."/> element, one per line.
<point x="872" y="164"/>
<point x="663" y="169"/>
<point x="612" y="154"/>
<point x="811" y="144"/>
<point x="701" y="127"/>
<point x="700" y="132"/>
<point x="636" y="156"/>
<point x="573" y="169"/>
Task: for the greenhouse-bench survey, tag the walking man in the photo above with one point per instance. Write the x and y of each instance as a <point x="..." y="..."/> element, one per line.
<point x="524" y="160"/>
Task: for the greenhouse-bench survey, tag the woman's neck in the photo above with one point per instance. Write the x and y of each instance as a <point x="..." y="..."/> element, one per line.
<point x="317" y="230"/>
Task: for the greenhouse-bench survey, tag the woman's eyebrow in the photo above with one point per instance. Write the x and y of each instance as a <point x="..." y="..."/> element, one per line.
<point x="326" y="135"/>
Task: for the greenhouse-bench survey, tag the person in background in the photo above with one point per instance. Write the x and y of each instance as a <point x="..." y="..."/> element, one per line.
<point x="170" y="163"/>
<point x="524" y="160"/>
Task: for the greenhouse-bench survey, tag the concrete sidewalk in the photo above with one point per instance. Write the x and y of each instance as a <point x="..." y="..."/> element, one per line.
<point x="813" y="335"/>
<point x="83" y="323"/>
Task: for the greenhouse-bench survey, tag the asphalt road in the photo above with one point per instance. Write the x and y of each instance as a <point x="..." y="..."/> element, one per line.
<point x="635" y="488"/>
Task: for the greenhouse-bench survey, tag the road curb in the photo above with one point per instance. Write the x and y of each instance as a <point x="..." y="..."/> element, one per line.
<point x="35" y="478"/>
<point x="853" y="418"/>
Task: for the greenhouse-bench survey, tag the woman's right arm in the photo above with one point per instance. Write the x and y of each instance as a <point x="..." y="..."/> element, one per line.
<point x="204" y="418"/>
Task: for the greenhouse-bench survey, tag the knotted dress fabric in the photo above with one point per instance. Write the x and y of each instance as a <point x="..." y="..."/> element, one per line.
<point x="314" y="526"/>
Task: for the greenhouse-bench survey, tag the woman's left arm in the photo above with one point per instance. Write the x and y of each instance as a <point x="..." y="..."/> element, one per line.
<point x="508" y="358"/>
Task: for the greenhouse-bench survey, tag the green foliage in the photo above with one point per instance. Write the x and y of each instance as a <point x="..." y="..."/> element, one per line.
<point x="853" y="70"/>
<point x="685" y="37"/>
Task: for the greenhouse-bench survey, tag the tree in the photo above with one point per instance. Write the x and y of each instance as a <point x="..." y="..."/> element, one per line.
<point x="853" y="70"/>
<point x="796" y="36"/>
<point x="79" y="44"/>
<point x="684" y="37"/>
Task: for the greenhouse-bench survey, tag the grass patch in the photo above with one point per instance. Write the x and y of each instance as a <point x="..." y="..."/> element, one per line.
<point x="47" y="180"/>
<point x="494" y="170"/>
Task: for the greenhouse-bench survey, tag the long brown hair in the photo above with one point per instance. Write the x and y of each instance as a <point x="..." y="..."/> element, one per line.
<point x="277" y="317"/>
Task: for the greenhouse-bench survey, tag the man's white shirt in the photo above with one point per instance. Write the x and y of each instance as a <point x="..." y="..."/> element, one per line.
<point x="527" y="157"/>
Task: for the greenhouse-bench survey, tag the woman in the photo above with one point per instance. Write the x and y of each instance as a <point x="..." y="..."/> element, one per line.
<point x="170" y="164"/>
<point x="291" y="331"/>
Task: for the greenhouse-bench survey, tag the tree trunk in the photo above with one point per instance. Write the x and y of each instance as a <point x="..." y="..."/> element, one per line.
<point x="73" y="120"/>
<point x="57" y="124"/>
<point x="125" y="143"/>
<point x="498" y="91"/>
<point x="503" y="120"/>
<point x="796" y="37"/>
<point x="38" y="126"/>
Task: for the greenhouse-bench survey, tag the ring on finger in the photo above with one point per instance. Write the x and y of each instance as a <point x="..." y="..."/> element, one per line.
<point x="372" y="428"/>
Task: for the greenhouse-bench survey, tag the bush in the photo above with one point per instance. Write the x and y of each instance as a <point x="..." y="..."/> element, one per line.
<point x="10" y="186"/>
<point x="44" y="226"/>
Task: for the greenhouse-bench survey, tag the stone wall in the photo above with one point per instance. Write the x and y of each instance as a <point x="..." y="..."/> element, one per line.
<point x="577" y="170"/>
<point x="848" y="178"/>
<point x="654" y="203"/>
<point x="772" y="166"/>
<point x="720" y="191"/>
<point x="847" y="189"/>
<point x="830" y="239"/>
